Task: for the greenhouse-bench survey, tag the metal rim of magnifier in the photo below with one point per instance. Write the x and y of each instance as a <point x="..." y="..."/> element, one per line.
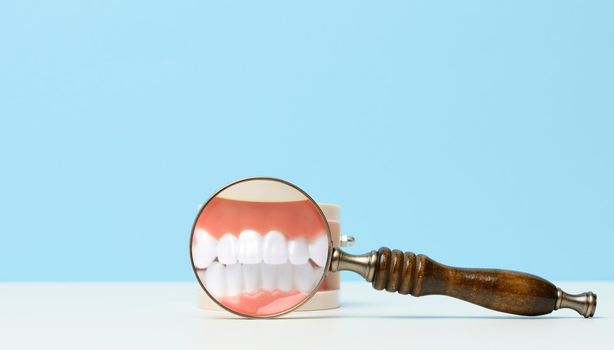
<point x="328" y="257"/>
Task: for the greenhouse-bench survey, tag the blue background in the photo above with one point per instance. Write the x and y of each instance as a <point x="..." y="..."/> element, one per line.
<point x="478" y="132"/>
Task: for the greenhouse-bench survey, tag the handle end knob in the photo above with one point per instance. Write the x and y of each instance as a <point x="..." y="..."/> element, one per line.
<point x="584" y="303"/>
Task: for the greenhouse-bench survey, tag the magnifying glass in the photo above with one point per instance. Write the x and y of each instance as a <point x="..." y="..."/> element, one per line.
<point x="261" y="247"/>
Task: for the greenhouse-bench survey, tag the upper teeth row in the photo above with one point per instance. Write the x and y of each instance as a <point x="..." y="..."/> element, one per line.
<point x="252" y="248"/>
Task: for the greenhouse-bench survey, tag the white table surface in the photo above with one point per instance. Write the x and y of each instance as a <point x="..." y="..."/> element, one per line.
<point x="165" y="316"/>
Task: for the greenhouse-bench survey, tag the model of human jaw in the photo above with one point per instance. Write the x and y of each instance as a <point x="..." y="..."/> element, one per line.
<point x="260" y="253"/>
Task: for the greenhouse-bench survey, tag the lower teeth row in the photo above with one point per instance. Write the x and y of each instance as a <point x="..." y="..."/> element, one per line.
<point x="230" y="280"/>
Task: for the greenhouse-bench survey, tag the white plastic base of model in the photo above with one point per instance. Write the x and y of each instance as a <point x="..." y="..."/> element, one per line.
<point x="322" y="300"/>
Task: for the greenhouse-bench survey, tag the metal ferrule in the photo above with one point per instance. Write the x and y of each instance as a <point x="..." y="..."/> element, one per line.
<point x="363" y="265"/>
<point x="583" y="303"/>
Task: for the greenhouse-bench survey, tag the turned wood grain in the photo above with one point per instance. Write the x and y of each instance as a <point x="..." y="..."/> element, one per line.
<point x="502" y="290"/>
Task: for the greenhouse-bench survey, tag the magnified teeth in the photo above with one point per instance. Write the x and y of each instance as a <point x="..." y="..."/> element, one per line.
<point x="231" y="280"/>
<point x="227" y="249"/>
<point x="303" y="277"/>
<point x="251" y="277"/>
<point x="298" y="251"/>
<point x="268" y="276"/>
<point x="284" y="277"/>
<point x="249" y="263"/>
<point x="204" y="249"/>
<point x="234" y="279"/>
<point x="318" y="250"/>
<point x="250" y="247"/>
<point x="214" y="279"/>
<point x="274" y="249"/>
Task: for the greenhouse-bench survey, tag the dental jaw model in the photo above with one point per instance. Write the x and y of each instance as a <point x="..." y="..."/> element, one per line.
<point x="327" y="296"/>
<point x="261" y="247"/>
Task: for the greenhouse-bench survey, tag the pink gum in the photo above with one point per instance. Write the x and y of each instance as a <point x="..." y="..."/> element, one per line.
<point x="293" y="219"/>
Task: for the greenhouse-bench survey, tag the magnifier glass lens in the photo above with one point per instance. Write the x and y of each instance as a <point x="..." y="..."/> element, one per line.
<point x="260" y="247"/>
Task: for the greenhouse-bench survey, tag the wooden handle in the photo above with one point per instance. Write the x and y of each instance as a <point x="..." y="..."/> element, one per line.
<point x="507" y="291"/>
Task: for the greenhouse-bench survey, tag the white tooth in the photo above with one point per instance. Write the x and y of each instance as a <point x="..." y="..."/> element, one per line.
<point x="298" y="251"/>
<point x="284" y="277"/>
<point x="227" y="249"/>
<point x="214" y="279"/>
<point x="251" y="277"/>
<point x="201" y="235"/>
<point x="274" y="249"/>
<point x="303" y="277"/>
<point x="204" y="249"/>
<point x="318" y="250"/>
<point x="233" y="279"/>
<point x="250" y="247"/>
<point x="267" y="276"/>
